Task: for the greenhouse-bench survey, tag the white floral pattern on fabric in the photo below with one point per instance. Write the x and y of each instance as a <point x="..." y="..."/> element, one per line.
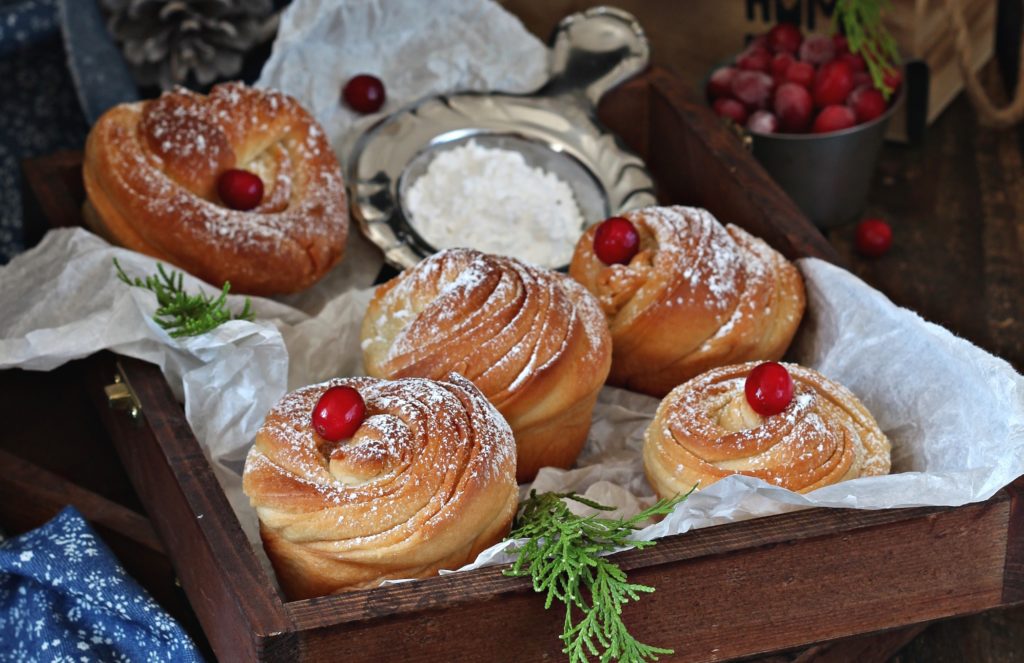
<point x="64" y="597"/>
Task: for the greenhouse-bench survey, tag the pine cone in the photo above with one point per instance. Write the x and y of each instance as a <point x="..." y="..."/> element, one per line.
<point x="166" y="40"/>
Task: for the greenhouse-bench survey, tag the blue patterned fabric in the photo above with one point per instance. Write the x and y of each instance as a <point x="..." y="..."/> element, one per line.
<point x="64" y="597"/>
<point x="39" y="111"/>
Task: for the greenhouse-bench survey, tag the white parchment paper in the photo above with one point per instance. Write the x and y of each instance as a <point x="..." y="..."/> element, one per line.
<point x="954" y="413"/>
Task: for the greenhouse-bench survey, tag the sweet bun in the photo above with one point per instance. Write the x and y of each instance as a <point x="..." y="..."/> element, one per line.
<point x="426" y="483"/>
<point x="706" y="430"/>
<point x="151" y="170"/>
<point x="697" y="295"/>
<point x="533" y="340"/>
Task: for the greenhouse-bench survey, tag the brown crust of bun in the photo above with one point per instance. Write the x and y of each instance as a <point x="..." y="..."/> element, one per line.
<point x="531" y="339"/>
<point x="426" y="483"/>
<point x="696" y="296"/>
<point x="704" y="430"/>
<point x="151" y="171"/>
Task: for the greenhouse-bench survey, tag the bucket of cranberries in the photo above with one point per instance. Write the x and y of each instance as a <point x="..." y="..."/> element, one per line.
<point x="816" y="116"/>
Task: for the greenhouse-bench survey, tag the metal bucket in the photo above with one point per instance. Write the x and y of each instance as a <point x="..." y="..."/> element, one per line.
<point x="827" y="175"/>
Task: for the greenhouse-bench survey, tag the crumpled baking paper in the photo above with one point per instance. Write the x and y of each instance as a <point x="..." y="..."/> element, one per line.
<point x="954" y="413"/>
<point x="416" y="48"/>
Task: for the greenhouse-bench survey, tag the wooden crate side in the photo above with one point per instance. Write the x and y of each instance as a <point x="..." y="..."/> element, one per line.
<point x="232" y="596"/>
<point x="1013" y="582"/>
<point x="474" y="587"/>
<point x="753" y="600"/>
<point x="625" y="111"/>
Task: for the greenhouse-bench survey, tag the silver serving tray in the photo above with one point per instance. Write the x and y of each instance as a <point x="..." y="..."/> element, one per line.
<point x="554" y="128"/>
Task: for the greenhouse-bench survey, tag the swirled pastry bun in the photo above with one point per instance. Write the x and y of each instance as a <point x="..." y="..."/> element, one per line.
<point x="705" y="430"/>
<point x="151" y="170"/>
<point x="533" y="340"/>
<point x="697" y="295"/>
<point x="426" y="483"/>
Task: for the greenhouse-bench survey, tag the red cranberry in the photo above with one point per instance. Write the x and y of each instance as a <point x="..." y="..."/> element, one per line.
<point x="893" y="79"/>
<point x="240" y="189"/>
<point x="339" y="413"/>
<point x="855" y="62"/>
<point x="874" y="237"/>
<point x="867" y="103"/>
<point x="834" y="118"/>
<point x="785" y="38"/>
<point x="841" y="44"/>
<point x="833" y="83"/>
<point x="817" y="49"/>
<point x="364" y="93"/>
<point x="793" y="107"/>
<point x="754" y="88"/>
<point x="763" y="122"/>
<point x="760" y="41"/>
<point x="801" y="73"/>
<point x="769" y="388"/>
<point x="731" y="109"/>
<point x="861" y="78"/>
<point x="616" y="241"/>
<point x="756" y="59"/>
<point x="780" y="65"/>
<point x="720" y="83"/>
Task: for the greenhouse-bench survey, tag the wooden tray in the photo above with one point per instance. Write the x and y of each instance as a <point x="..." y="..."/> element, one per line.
<point x="723" y="592"/>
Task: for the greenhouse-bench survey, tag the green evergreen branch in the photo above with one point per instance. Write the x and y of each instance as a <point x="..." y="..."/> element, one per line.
<point x="861" y="22"/>
<point x="182" y="314"/>
<point x="562" y="553"/>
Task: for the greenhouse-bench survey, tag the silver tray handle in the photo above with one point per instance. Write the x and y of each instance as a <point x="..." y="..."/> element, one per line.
<point x="593" y="51"/>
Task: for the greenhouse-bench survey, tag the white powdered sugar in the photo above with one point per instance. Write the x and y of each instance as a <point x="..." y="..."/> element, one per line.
<point x="491" y="200"/>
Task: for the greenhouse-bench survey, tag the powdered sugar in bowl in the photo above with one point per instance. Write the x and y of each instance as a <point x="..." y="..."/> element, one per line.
<point x="502" y="195"/>
<point x="537" y="169"/>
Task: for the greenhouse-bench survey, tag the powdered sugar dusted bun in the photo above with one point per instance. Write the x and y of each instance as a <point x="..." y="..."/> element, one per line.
<point x="705" y="430"/>
<point x="151" y="170"/>
<point x="533" y="341"/>
<point x="697" y="295"/>
<point x="426" y="483"/>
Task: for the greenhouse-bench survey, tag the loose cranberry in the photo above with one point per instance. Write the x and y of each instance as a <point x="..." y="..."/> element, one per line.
<point x="780" y="65"/>
<point x="873" y="237"/>
<point x="769" y="388"/>
<point x="817" y="49"/>
<point x="841" y="44"/>
<point x="855" y="61"/>
<point x="339" y="413"/>
<point x="364" y="93"/>
<point x="240" y="189"/>
<point x="763" y="122"/>
<point x="616" y="241"/>
<point x="834" y="118"/>
<point x="785" y="38"/>
<point x="833" y="83"/>
<point x="801" y="73"/>
<point x="757" y="59"/>
<point x="754" y="88"/>
<point x="731" y="109"/>
<point x="867" y="103"/>
<point x="793" y="107"/>
<point x="720" y="83"/>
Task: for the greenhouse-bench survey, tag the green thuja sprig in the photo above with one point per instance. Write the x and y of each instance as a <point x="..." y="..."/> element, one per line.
<point x="562" y="553"/>
<point x="861" y="22"/>
<point x="180" y="313"/>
